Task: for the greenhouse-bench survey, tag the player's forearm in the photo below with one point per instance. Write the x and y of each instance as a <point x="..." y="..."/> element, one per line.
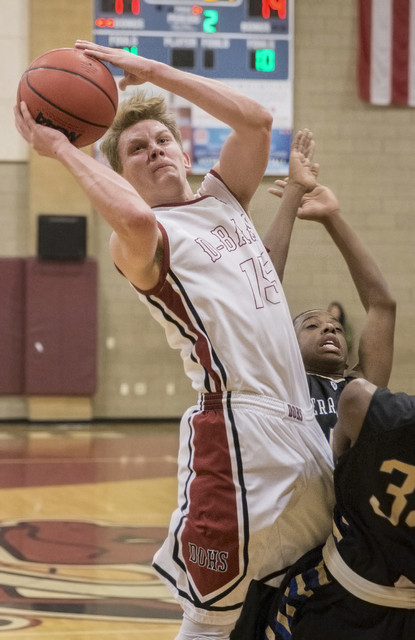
<point x="371" y="286"/>
<point x="278" y="237"/>
<point x="109" y="193"/>
<point x="216" y="98"/>
<point x="224" y="103"/>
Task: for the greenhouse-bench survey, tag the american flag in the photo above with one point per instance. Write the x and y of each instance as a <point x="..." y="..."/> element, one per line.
<point x="386" y="72"/>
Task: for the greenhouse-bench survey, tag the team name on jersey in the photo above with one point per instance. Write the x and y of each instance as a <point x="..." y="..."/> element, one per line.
<point x="323" y="407"/>
<point x="258" y="268"/>
<point x="229" y="239"/>
<point x="209" y="558"/>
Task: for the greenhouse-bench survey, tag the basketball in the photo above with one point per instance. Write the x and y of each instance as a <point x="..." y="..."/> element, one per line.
<point x="72" y="92"/>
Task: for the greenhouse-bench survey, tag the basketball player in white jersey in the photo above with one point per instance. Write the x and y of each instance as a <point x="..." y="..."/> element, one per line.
<point x="255" y="471"/>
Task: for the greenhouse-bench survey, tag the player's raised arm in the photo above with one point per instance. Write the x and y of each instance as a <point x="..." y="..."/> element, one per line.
<point x="352" y="408"/>
<point x="377" y="335"/>
<point x="245" y="153"/>
<point x="110" y="194"/>
<point x="301" y="179"/>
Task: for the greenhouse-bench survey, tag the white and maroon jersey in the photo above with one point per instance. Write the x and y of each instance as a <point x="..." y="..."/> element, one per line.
<point x="220" y="300"/>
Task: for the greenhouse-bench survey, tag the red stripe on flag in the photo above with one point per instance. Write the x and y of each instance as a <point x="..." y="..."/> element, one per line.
<point x="400" y="52"/>
<point x="365" y="27"/>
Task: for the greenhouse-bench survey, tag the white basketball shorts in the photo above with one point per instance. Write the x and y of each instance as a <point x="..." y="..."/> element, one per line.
<point x="255" y="493"/>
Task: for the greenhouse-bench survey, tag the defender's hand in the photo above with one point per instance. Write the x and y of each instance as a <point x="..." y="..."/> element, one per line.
<point x="302" y="172"/>
<point x="318" y="205"/>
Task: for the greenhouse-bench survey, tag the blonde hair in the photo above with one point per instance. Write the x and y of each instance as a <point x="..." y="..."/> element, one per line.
<point x="135" y="109"/>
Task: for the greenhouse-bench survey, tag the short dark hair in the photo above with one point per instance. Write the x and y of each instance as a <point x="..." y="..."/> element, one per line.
<point x="136" y="109"/>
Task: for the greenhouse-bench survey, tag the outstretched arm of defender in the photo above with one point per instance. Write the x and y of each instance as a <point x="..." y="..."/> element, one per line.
<point x="377" y="335"/>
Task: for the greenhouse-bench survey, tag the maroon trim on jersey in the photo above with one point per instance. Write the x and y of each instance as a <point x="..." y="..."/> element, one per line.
<point x="164" y="267"/>
<point x="216" y="175"/>
<point x="210" y="537"/>
<point x="174" y="303"/>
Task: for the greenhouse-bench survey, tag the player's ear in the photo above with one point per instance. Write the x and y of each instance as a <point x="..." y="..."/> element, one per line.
<point x="187" y="162"/>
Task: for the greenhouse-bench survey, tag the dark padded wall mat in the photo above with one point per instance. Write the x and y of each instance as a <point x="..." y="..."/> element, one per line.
<point x="11" y="326"/>
<point x="61" y="327"/>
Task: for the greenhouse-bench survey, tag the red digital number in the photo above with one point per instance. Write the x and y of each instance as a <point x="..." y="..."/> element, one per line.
<point x="135" y="7"/>
<point x="276" y="5"/>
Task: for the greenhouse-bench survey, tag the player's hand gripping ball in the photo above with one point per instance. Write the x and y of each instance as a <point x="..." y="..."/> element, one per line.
<point x="67" y="90"/>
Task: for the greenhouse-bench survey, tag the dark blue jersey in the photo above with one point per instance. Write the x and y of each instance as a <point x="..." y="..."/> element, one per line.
<point x="325" y="393"/>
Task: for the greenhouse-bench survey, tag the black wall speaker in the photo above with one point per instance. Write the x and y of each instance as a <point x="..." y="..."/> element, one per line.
<point x="61" y="237"/>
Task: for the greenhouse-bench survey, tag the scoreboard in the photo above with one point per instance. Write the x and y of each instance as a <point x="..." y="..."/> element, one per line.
<point x="244" y="43"/>
<point x="216" y="38"/>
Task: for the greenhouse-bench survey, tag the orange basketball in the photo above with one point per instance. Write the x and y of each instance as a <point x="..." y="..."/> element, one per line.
<point x="69" y="91"/>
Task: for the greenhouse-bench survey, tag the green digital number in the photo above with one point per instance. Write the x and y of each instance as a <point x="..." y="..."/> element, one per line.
<point x="210" y="21"/>
<point x="133" y="50"/>
<point x="265" y="60"/>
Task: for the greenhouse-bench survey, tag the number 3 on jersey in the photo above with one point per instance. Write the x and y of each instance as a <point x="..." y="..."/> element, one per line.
<point x="400" y="493"/>
<point x="261" y="278"/>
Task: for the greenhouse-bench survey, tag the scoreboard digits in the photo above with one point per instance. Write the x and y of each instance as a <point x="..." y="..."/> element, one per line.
<point x="265" y="8"/>
<point x="217" y="38"/>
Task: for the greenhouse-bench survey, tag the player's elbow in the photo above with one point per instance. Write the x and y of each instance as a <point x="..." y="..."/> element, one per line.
<point x="257" y="120"/>
<point x="391" y="305"/>
<point x="267" y="117"/>
<point x="386" y="304"/>
<point x="259" y="131"/>
<point x="136" y="222"/>
<point x="381" y="299"/>
<point x="264" y="120"/>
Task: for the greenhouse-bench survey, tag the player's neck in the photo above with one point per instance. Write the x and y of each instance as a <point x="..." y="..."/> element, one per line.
<point x="172" y="196"/>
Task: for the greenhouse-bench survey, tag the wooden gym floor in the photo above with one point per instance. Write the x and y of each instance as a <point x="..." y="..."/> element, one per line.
<point x="82" y="510"/>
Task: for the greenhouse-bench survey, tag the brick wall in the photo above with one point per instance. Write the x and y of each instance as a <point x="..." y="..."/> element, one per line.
<point x="366" y="156"/>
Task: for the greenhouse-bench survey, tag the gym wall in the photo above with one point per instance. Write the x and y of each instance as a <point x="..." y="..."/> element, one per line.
<point x="366" y="155"/>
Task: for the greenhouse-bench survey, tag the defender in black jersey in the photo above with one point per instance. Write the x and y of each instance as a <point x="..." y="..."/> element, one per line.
<point x="361" y="584"/>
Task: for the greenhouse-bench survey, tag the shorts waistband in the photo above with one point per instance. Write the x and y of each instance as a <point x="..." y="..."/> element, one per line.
<point x="218" y="401"/>
<point x="399" y="598"/>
